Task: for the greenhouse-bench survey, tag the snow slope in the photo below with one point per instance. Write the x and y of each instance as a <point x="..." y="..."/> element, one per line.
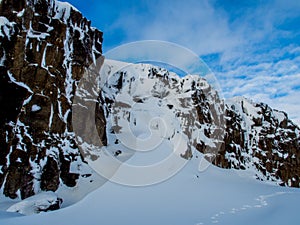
<point x="215" y="196"/>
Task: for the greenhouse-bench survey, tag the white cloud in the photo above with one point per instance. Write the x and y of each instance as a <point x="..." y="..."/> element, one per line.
<point x="255" y="45"/>
<point x="204" y="26"/>
<point x="194" y="24"/>
<point x="275" y="83"/>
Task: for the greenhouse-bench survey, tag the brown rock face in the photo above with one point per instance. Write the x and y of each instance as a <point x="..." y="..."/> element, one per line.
<point x="45" y="48"/>
<point x="261" y="138"/>
<point x="50" y="175"/>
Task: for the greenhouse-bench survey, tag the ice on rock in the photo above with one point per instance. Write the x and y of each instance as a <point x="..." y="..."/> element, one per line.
<point x="62" y="10"/>
<point x="5" y="27"/>
<point x="12" y="79"/>
<point x="21" y="13"/>
<point x="35" y="108"/>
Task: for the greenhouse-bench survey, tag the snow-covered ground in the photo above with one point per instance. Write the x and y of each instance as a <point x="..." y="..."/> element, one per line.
<point x="214" y="196"/>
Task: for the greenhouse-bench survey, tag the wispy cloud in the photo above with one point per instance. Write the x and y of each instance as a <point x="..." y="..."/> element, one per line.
<point x="274" y="82"/>
<point x="194" y="24"/>
<point x="252" y="46"/>
<point x="206" y="26"/>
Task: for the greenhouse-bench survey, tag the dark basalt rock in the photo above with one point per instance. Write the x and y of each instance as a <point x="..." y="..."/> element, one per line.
<point x="270" y="145"/>
<point x="50" y="175"/>
<point x="53" y="206"/>
<point x="43" y="57"/>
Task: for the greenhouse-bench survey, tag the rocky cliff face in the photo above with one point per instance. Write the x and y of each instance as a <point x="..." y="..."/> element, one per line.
<point x="261" y="139"/>
<point x="45" y="47"/>
<point x="238" y="134"/>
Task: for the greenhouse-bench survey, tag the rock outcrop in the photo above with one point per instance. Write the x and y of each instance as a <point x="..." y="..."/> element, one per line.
<point x="238" y="134"/>
<point x="45" y="48"/>
<point x="262" y="139"/>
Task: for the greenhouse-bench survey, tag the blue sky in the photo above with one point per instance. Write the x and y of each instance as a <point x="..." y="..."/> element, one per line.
<point x="252" y="46"/>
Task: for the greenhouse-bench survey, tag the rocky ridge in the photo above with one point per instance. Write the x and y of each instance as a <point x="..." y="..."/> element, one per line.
<point x="235" y="134"/>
